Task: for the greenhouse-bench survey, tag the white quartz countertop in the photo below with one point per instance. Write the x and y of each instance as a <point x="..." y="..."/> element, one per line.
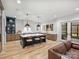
<point x="28" y="35"/>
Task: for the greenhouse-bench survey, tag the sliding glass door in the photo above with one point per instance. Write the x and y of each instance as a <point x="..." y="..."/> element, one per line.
<point x="75" y="30"/>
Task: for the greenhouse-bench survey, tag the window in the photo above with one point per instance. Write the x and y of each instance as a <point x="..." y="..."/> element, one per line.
<point x="75" y="30"/>
<point x="64" y="30"/>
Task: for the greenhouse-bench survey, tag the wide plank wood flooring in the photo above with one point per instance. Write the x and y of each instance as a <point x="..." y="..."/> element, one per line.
<point x="13" y="50"/>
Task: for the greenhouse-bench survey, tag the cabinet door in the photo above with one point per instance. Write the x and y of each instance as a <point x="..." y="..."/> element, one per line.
<point x="11" y="37"/>
<point x="52" y="37"/>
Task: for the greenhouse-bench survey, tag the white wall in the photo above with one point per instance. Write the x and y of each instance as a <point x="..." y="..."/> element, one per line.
<point x="21" y="23"/>
<point x="54" y="27"/>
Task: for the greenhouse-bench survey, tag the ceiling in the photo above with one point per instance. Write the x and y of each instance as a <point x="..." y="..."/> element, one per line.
<point x="46" y="9"/>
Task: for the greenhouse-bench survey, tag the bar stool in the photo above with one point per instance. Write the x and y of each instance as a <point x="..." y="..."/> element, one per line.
<point x="29" y="41"/>
<point x="43" y="38"/>
<point x="26" y="42"/>
<point x="37" y="40"/>
<point x="23" y="42"/>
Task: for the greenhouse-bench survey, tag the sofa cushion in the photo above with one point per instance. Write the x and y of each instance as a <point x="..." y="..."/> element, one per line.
<point x="68" y="45"/>
<point x="60" y="48"/>
<point x="73" y="53"/>
<point x="75" y="46"/>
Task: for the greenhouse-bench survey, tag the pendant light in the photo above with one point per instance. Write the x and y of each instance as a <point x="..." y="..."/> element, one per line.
<point x="27" y="21"/>
<point x="38" y="25"/>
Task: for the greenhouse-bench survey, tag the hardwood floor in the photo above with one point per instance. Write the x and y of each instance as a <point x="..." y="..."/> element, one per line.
<point x="13" y="50"/>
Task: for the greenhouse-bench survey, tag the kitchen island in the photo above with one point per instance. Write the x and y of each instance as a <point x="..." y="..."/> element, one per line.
<point x="32" y="38"/>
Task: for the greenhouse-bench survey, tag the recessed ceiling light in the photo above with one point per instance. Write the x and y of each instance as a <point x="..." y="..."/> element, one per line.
<point x="18" y="1"/>
<point x="77" y="9"/>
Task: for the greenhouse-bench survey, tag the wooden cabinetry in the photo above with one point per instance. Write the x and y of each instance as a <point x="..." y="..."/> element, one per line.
<point x="13" y="37"/>
<point x="52" y="37"/>
<point x="10" y="29"/>
<point x="18" y="37"/>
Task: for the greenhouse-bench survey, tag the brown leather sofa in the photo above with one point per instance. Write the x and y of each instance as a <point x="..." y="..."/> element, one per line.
<point x="66" y="48"/>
